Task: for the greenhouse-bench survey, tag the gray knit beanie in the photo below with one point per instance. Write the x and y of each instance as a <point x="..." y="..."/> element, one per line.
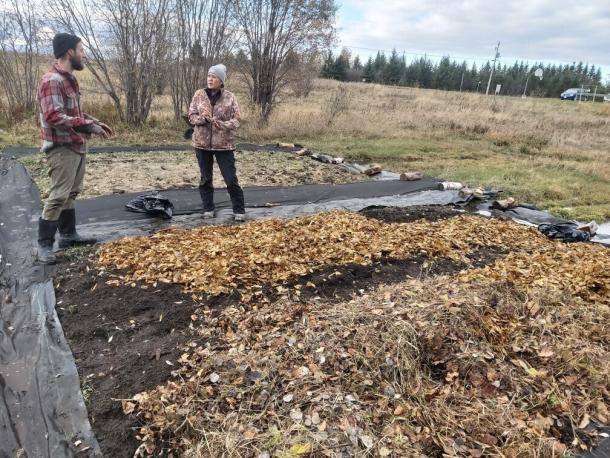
<point x="218" y="70"/>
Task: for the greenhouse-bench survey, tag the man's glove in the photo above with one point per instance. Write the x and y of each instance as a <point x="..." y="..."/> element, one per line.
<point x="96" y="129"/>
<point x="88" y="129"/>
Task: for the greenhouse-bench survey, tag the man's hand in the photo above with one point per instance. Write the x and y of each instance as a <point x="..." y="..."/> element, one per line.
<point x="99" y="130"/>
<point x="107" y="129"/>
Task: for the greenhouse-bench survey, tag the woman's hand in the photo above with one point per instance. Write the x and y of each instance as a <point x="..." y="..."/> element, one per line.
<point x="218" y="123"/>
<point x="198" y="115"/>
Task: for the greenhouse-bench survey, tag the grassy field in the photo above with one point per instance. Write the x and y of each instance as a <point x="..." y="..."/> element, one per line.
<point x="551" y="153"/>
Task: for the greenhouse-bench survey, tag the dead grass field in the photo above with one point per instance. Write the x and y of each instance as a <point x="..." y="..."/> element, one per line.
<point x="551" y="153"/>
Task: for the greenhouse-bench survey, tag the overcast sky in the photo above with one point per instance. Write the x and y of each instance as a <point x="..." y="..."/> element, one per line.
<point x="558" y="31"/>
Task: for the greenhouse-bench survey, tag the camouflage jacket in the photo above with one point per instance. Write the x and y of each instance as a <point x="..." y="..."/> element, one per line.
<point x="226" y="111"/>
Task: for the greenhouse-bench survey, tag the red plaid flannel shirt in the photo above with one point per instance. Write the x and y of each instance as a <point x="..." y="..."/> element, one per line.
<point x="60" y="113"/>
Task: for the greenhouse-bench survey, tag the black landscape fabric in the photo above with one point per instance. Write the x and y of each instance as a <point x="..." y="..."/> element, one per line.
<point x="19" y="151"/>
<point x="42" y="412"/>
<point x="186" y="201"/>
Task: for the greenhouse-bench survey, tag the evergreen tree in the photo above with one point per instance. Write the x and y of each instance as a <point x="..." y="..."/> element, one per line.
<point x="451" y="75"/>
<point x="474" y="77"/>
<point x="393" y="70"/>
<point x="442" y="75"/>
<point x="466" y="83"/>
<point x="196" y="54"/>
<point x="379" y="66"/>
<point x="424" y="72"/>
<point x="327" y="66"/>
<point x="409" y="75"/>
<point x="368" y="72"/>
<point x="341" y="66"/>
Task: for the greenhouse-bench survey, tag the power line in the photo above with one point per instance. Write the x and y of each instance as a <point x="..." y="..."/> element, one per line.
<point x="414" y="53"/>
<point x="475" y="59"/>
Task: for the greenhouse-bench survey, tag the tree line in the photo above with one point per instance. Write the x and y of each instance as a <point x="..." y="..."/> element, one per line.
<point x="139" y="49"/>
<point x="448" y="74"/>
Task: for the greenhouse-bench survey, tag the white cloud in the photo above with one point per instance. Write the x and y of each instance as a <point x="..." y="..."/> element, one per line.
<point x="559" y="30"/>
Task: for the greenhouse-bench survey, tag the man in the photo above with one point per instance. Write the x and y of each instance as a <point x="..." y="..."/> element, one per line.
<point x="64" y="130"/>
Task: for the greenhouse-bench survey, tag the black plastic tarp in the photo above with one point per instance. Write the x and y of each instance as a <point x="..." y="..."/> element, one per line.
<point x="187" y="201"/>
<point x="19" y="151"/>
<point x="42" y="412"/>
<point x="541" y="218"/>
<point x="120" y="226"/>
<point x="153" y="204"/>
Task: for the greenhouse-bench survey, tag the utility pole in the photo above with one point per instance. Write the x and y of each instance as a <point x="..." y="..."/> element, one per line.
<point x="496" y="57"/>
<point x="538" y="73"/>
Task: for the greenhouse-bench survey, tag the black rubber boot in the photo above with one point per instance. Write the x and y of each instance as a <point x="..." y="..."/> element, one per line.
<point x="46" y="238"/>
<point x="68" y="237"/>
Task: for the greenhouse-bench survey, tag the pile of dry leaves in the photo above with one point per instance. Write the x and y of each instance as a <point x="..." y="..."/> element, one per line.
<point x="581" y="269"/>
<point x="512" y="359"/>
<point x="244" y="259"/>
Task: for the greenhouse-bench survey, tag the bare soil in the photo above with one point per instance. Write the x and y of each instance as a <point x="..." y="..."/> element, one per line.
<point x="409" y="214"/>
<point x="123" y="340"/>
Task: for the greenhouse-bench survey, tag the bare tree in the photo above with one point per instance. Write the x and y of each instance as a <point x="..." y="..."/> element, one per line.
<point x="203" y="34"/>
<point x="273" y="30"/>
<point x="127" y="40"/>
<point x="20" y="59"/>
<point x="302" y="70"/>
<point x="140" y="35"/>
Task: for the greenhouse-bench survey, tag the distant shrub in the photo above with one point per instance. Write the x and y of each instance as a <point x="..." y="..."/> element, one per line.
<point x="339" y="103"/>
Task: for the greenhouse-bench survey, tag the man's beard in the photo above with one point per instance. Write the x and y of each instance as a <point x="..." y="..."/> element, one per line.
<point x="77" y="64"/>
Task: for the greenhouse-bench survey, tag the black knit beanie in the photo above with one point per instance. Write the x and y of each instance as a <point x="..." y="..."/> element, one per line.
<point x="62" y="42"/>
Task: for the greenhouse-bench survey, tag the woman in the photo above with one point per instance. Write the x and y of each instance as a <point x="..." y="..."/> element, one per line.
<point x="215" y="114"/>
